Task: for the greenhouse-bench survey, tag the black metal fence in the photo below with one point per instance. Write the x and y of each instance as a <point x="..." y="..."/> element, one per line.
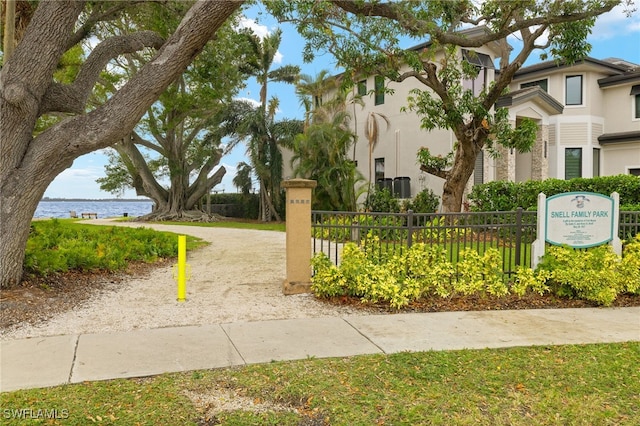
<point x="629" y="225"/>
<point x="511" y="233"/>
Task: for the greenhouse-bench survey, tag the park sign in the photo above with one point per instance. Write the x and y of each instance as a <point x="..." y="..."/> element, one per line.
<point x="577" y="219"/>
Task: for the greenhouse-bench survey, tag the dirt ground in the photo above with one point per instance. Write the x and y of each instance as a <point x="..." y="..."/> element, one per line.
<point x="238" y="277"/>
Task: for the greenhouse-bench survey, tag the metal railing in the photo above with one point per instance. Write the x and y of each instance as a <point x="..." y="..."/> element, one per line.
<point x="629" y="225"/>
<point x="510" y="232"/>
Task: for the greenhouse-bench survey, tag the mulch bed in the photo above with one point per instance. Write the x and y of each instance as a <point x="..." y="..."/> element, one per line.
<point x="480" y="303"/>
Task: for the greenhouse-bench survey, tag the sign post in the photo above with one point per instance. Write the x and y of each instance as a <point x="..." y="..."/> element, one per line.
<point x="578" y="220"/>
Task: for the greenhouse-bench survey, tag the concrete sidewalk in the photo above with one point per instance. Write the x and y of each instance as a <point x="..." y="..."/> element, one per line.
<point x="49" y="361"/>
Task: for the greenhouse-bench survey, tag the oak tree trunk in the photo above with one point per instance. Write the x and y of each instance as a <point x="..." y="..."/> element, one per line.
<point x="457" y="178"/>
<point x="29" y="163"/>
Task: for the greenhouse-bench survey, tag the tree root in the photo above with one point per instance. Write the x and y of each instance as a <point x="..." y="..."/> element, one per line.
<point x="180" y="216"/>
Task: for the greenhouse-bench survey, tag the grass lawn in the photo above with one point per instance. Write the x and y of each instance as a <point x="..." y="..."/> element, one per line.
<point x="260" y="226"/>
<point x="554" y="385"/>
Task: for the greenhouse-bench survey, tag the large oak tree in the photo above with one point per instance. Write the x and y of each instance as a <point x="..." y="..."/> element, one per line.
<point x="180" y="138"/>
<point x="29" y="161"/>
<point x="365" y="35"/>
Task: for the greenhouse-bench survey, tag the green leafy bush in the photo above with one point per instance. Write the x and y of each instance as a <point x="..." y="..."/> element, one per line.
<point x="335" y="228"/>
<point x="630" y="207"/>
<point x="507" y="196"/>
<point x="480" y="274"/>
<point x="438" y="230"/>
<point x="244" y="206"/>
<point x="597" y="274"/>
<point x="424" y="202"/>
<point x="344" y="228"/>
<point x="58" y="246"/>
<point x="399" y="278"/>
<point x="381" y="200"/>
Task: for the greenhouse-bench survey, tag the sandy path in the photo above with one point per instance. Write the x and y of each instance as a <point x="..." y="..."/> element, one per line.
<point x="238" y="277"/>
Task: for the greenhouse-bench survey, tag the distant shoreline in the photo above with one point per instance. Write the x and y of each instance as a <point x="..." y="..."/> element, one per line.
<point x="109" y="200"/>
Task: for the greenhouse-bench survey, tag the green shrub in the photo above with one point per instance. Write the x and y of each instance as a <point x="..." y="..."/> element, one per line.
<point x="596" y="274"/>
<point x="507" y="196"/>
<point x="397" y="279"/>
<point x="493" y="196"/>
<point x="342" y="228"/>
<point x="424" y="202"/>
<point x="630" y="207"/>
<point x="247" y="205"/>
<point x="436" y="230"/>
<point x="629" y="268"/>
<point x="58" y="246"/>
<point x="375" y="275"/>
<point x="528" y="279"/>
<point x="480" y="274"/>
<point x="381" y="200"/>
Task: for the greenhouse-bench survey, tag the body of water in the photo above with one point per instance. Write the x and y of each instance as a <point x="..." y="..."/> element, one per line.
<point x="104" y="208"/>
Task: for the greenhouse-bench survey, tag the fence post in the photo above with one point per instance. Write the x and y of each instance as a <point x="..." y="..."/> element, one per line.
<point x="409" y="228"/>
<point x="518" y="234"/>
<point x="298" y="239"/>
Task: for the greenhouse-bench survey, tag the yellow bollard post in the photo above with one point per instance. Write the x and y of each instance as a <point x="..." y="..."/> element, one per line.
<point x="182" y="268"/>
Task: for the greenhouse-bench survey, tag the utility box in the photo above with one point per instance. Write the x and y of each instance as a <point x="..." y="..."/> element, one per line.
<point x="385" y="183"/>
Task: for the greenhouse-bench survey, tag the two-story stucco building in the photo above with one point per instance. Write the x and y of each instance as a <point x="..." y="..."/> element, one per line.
<point x="594" y="131"/>
<point x="588" y="116"/>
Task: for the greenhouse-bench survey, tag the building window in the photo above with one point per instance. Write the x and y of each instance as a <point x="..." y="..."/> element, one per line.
<point x="596" y="162"/>
<point x="543" y="84"/>
<point x="362" y="88"/>
<point x="317" y="101"/>
<point x="573" y="90"/>
<point x="572" y="163"/>
<point x="634" y="171"/>
<point x="635" y="92"/>
<point x="379" y="168"/>
<point x="379" y="89"/>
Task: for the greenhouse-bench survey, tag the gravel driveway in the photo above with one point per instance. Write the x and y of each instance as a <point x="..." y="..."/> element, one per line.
<point x="238" y="277"/>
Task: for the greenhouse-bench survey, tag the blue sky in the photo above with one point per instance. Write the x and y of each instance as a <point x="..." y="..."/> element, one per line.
<point x="614" y="35"/>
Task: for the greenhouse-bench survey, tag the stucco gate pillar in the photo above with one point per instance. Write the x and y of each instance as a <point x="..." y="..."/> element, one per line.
<point x="298" y="238"/>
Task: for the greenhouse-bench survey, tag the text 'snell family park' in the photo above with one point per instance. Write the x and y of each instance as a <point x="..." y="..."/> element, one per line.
<point x="578" y="220"/>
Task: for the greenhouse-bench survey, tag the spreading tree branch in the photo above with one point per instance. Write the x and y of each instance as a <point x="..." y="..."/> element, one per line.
<point x="394" y="11"/>
<point x="149" y="183"/>
<point x="73" y="98"/>
<point x="99" y="15"/>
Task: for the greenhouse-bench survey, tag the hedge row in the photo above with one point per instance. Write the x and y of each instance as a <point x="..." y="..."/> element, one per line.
<point x="245" y="206"/>
<point x="508" y="196"/>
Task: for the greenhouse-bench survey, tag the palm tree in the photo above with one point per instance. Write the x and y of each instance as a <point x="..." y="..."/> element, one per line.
<point x="372" y="133"/>
<point x="313" y="92"/>
<point x="242" y="179"/>
<point x="264" y="137"/>
<point x="321" y="154"/>
<point x="263" y="132"/>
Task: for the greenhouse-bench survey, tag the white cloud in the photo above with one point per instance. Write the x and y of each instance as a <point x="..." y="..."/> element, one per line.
<point x="251" y="101"/>
<point x="615" y="23"/>
<point x="261" y="31"/>
<point x="82" y="173"/>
